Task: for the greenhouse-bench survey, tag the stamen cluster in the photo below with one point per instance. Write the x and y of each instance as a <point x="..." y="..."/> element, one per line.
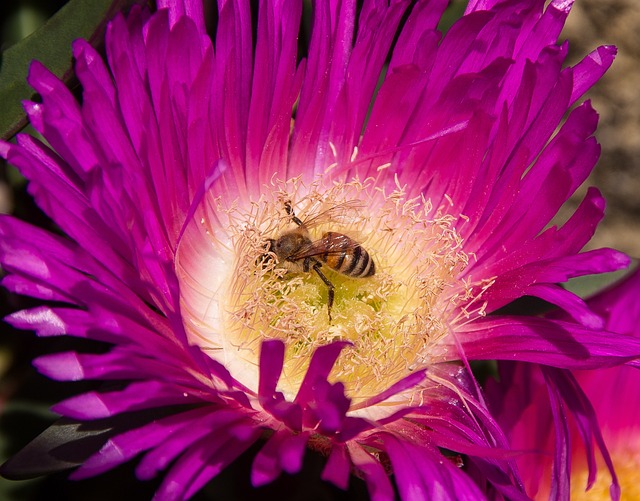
<point x="392" y="319"/>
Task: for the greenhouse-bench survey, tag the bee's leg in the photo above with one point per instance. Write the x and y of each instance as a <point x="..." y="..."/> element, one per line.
<point x="330" y="286"/>
<point x="290" y="213"/>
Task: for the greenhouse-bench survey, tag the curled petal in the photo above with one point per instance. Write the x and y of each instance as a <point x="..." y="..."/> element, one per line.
<point x="283" y="451"/>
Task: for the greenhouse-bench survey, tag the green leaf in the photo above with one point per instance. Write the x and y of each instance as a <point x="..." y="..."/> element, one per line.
<point x="50" y="44"/>
<point x="453" y="12"/>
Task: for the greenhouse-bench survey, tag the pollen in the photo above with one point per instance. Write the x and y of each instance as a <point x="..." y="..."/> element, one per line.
<point x="236" y="292"/>
<point x="391" y="319"/>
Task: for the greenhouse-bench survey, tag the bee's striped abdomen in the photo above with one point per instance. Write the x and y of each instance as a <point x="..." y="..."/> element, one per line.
<point x="347" y="256"/>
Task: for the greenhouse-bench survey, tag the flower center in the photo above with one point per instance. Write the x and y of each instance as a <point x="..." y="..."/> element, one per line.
<point x="295" y="245"/>
<point x="627" y="464"/>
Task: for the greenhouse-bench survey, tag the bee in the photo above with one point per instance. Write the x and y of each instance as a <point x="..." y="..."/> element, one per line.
<point x="298" y="252"/>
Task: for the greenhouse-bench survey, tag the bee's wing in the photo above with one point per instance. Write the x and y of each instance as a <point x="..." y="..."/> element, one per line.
<point x="342" y="213"/>
<point x="329" y="244"/>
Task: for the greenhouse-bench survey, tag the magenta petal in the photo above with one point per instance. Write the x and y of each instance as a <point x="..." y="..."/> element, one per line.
<point x="215" y="429"/>
<point x="25" y="287"/>
<point x="423" y="473"/>
<point x="620" y="305"/>
<point x="411" y="46"/>
<point x="276" y="87"/>
<point x="126" y="446"/>
<point x="139" y="395"/>
<point x="372" y="472"/>
<point x="191" y="8"/>
<point x="562" y="459"/>
<point x="338" y="467"/>
<point x="292" y="452"/>
<point x="266" y="467"/>
<point x="588" y="71"/>
<point x="289" y="413"/>
<point x="321" y="364"/>
<point x="283" y="451"/>
<point x="61" y="366"/>
<point x="577" y="402"/>
<point x="96" y="324"/>
<point x="554" y="343"/>
<point x="327" y="410"/>
<point x="271" y="359"/>
<point x="581" y="226"/>
<point x="117" y="364"/>
<point x="216" y="463"/>
<point x="59" y="118"/>
<point x="408" y="382"/>
<point x="201" y="462"/>
<point x="46" y="321"/>
<point x="568" y="301"/>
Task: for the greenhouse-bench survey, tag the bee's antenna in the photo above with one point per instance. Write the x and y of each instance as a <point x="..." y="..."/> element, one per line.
<point x="289" y="209"/>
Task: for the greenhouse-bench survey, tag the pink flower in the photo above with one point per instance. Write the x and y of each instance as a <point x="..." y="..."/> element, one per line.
<point x="610" y="399"/>
<point x="615" y="395"/>
<point x="191" y="155"/>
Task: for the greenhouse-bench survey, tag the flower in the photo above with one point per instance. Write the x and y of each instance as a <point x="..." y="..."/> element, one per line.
<point x="189" y="158"/>
<point x="617" y="410"/>
<point x="610" y="398"/>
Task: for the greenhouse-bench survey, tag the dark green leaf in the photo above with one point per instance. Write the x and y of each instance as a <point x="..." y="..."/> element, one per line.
<point x="68" y="443"/>
<point x="50" y="44"/>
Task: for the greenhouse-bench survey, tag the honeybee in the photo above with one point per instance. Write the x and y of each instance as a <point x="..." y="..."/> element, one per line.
<point x="298" y="252"/>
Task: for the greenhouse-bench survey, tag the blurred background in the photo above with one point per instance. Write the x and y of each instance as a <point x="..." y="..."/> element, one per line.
<point x="25" y="396"/>
<point x="617" y="98"/>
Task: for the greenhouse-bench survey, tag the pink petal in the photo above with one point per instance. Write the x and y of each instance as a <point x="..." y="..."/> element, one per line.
<point x="553" y="343"/>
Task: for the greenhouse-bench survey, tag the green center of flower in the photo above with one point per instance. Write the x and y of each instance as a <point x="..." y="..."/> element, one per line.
<point x="391" y="318"/>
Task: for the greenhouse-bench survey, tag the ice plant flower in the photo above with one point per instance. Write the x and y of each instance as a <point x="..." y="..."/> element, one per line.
<point x="191" y="155"/>
<point x="617" y="410"/>
<point x="614" y="396"/>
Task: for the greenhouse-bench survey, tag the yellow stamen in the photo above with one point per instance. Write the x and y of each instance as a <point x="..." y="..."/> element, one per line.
<point x="235" y="294"/>
<point x="393" y="319"/>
